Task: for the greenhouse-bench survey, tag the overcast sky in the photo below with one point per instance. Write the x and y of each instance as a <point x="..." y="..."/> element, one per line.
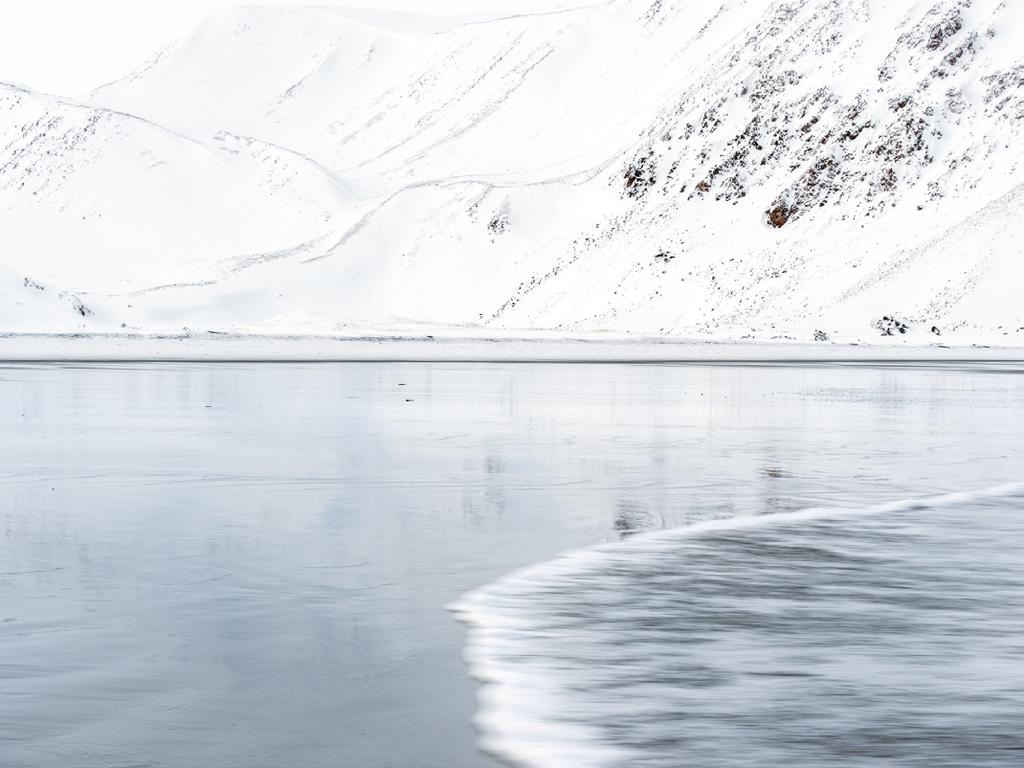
<point x="71" y="46"/>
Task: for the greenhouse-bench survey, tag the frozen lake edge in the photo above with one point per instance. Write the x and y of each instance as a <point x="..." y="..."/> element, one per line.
<point x="471" y="347"/>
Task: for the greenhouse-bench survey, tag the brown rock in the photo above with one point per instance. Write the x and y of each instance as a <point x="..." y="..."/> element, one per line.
<point x="778" y="216"/>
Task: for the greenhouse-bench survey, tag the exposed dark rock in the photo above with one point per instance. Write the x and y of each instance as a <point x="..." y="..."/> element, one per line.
<point x="640" y="175"/>
<point x="944" y="30"/>
<point x="499" y="224"/>
<point x="890" y="326"/>
<point x="779" y="215"/>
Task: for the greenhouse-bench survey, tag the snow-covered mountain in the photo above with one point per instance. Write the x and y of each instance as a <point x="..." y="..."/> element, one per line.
<point x="747" y="168"/>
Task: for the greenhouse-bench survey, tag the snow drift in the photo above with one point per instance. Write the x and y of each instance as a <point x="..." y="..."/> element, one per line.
<point x="831" y="169"/>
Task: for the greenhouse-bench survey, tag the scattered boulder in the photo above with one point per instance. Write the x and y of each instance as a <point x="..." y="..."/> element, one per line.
<point x="890" y="326"/>
<point x="944" y="30"/>
<point x="779" y="215"/>
<point x="640" y="175"/>
<point x="76" y="302"/>
<point x="498" y="224"/>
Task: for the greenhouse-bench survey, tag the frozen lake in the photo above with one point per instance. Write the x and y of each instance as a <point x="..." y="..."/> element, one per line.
<point x="248" y="565"/>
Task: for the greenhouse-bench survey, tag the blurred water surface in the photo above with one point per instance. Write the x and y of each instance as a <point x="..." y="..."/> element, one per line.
<point x="891" y="636"/>
<point x="228" y="565"/>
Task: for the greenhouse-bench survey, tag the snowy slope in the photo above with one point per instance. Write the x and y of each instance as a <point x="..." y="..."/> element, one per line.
<point x="506" y="98"/>
<point x="732" y="169"/>
<point x="100" y="202"/>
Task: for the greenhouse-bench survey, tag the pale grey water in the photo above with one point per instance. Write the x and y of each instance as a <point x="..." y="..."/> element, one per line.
<point x="230" y="565"/>
<point x="873" y="638"/>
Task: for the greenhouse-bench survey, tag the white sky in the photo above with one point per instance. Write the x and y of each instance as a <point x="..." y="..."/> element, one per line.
<point x="71" y="46"/>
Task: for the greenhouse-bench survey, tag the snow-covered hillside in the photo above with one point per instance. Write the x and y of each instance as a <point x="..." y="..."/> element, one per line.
<point x="749" y="168"/>
<point x="99" y="207"/>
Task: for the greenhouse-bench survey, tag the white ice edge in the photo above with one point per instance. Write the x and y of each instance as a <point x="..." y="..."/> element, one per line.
<point x="455" y="346"/>
<point x="511" y="726"/>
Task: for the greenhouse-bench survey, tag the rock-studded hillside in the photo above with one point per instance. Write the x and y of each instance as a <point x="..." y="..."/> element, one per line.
<point x="840" y="169"/>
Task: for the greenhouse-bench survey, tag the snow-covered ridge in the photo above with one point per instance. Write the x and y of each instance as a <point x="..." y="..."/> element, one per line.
<point x="837" y="169"/>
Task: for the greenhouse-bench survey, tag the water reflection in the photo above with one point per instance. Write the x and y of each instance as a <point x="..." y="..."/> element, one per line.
<point x="248" y="565"/>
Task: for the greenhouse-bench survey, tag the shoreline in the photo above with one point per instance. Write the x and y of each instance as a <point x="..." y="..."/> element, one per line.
<point x="410" y="348"/>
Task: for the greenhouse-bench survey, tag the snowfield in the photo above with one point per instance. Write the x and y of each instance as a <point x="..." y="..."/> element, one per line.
<point x="818" y="171"/>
